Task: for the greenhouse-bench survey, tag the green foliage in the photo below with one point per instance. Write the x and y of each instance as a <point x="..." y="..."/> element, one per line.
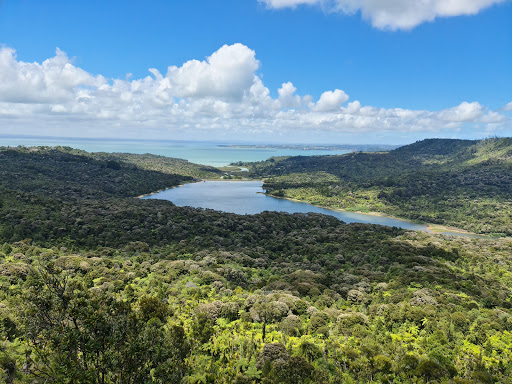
<point x="460" y="183"/>
<point x="202" y="328"/>
<point x="81" y="336"/>
<point x="153" y="308"/>
<point x="98" y="287"/>
<point x="318" y="322"/>
<point x="291" y="326"/>
<point x="74" y="174"/>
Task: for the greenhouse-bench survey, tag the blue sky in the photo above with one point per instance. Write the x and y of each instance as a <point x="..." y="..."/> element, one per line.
<point x="412" y="77"/>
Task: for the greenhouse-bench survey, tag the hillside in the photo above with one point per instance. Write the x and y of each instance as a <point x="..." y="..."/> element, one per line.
<point x="460" y="183"/>
<point x="99" y="287"/>
<point x="70" y="173"/>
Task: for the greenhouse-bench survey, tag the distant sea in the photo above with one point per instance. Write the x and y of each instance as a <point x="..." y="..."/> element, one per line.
<point x="207" y="153"/>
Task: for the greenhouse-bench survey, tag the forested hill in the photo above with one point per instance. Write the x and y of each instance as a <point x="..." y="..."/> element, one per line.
<point x="460" y="183"/>
<point x="70" y="173"/>
<point x="97" y="286"/>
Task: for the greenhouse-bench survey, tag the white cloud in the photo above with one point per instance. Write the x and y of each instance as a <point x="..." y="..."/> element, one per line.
<point x="221" y="95"/>
<point x="53" y="80"/>
<point x="288" y="3"/>
<point x="330" y="101"/>
<point x="394" y="14"/>
<point x="463" y="112"/>
<point x="227" y="73"/>
<point x="287" y="96"/>
<point x="493" y="117"/>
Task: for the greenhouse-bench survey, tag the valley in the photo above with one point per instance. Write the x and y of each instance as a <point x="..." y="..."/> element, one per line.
<point x="99" y="286"/>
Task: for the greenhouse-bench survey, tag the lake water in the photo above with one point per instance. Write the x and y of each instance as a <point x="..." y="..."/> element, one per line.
<point x="236" y="197"/>
<point x="206" y="153"/>
<point x="246" y="197"/>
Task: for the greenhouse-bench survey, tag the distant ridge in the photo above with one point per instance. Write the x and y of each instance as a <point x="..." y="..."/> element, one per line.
<point x="435" y="146"/>
<point x="460" y="183"/>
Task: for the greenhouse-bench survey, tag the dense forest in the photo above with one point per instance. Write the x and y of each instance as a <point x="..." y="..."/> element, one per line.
<point x="97" y="286"/>
<point x="460" y="183"/>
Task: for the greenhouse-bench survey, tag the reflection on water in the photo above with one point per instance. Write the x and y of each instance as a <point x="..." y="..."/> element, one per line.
<point x="245" y="197"/>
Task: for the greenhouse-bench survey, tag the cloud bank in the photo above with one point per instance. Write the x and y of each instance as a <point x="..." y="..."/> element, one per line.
<point x="222" y="94"/>
<point x="393" y="14"/>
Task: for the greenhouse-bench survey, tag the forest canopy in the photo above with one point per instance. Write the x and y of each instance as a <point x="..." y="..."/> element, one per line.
<point x="97" y="286"/>
<point x="460" y="183"/>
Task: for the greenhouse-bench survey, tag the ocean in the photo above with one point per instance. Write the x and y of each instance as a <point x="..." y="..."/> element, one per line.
<point x="207" y="153"/>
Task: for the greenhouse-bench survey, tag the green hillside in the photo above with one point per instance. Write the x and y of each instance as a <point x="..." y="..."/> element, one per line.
<point x="99" y="287"/>
<point x="461" y="183"/>
<point x="71" y="173"/>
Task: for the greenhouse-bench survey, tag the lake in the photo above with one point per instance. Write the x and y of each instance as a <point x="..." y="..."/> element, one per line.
<point x="207" y="153"/>
<point x="246" y="197"/>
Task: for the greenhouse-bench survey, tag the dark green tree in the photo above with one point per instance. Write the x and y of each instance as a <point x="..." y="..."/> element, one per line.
<point x="79" y="336"/>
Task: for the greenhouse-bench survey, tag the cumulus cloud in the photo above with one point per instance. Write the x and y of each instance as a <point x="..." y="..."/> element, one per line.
<point x="330" y="101"/>
<point x="287" y="96"/>
<point x="463" y="112"/>
<point x="222" y="94"/>
<point x="394" y="14"/>
<point x="227" y="73"/>
<point x="52" y="80"/>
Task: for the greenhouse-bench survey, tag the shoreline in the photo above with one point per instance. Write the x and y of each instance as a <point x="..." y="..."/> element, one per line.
<point x="244" y="179"/>
<point x="166" y="189"/>
<point x="436" y="229"/>
<point x="440" y="229"/>
<point x="160" y="190"/>
<point x="191" y="182"/>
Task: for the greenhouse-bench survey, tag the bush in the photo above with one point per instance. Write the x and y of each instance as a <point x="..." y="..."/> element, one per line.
<point x="317" y="321"/>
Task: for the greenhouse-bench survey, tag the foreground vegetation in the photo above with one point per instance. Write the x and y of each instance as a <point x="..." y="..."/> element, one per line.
<point x="460" y="183"/>
<point x="98" y="287"/>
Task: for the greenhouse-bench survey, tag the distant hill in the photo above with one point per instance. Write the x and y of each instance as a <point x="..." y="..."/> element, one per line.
<point x="461" y="183"/>
<point x="435" y="147"/>
<point x="319" y="147"/>
<point x="72" y="173"/>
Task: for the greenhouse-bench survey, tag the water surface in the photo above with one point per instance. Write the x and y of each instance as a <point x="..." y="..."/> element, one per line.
<point x="246" y="197"/>
<point x="206" y="153"/>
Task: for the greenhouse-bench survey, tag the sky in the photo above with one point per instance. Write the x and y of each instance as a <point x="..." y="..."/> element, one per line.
<point x="287" y="71"/>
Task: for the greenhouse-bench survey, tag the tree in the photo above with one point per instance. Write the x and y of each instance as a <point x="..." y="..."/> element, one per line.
<point x="91" y="337"/>
<point x="279" y="367"/>
<point x="269" y="311"/>
<point x="202" y="328"/>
